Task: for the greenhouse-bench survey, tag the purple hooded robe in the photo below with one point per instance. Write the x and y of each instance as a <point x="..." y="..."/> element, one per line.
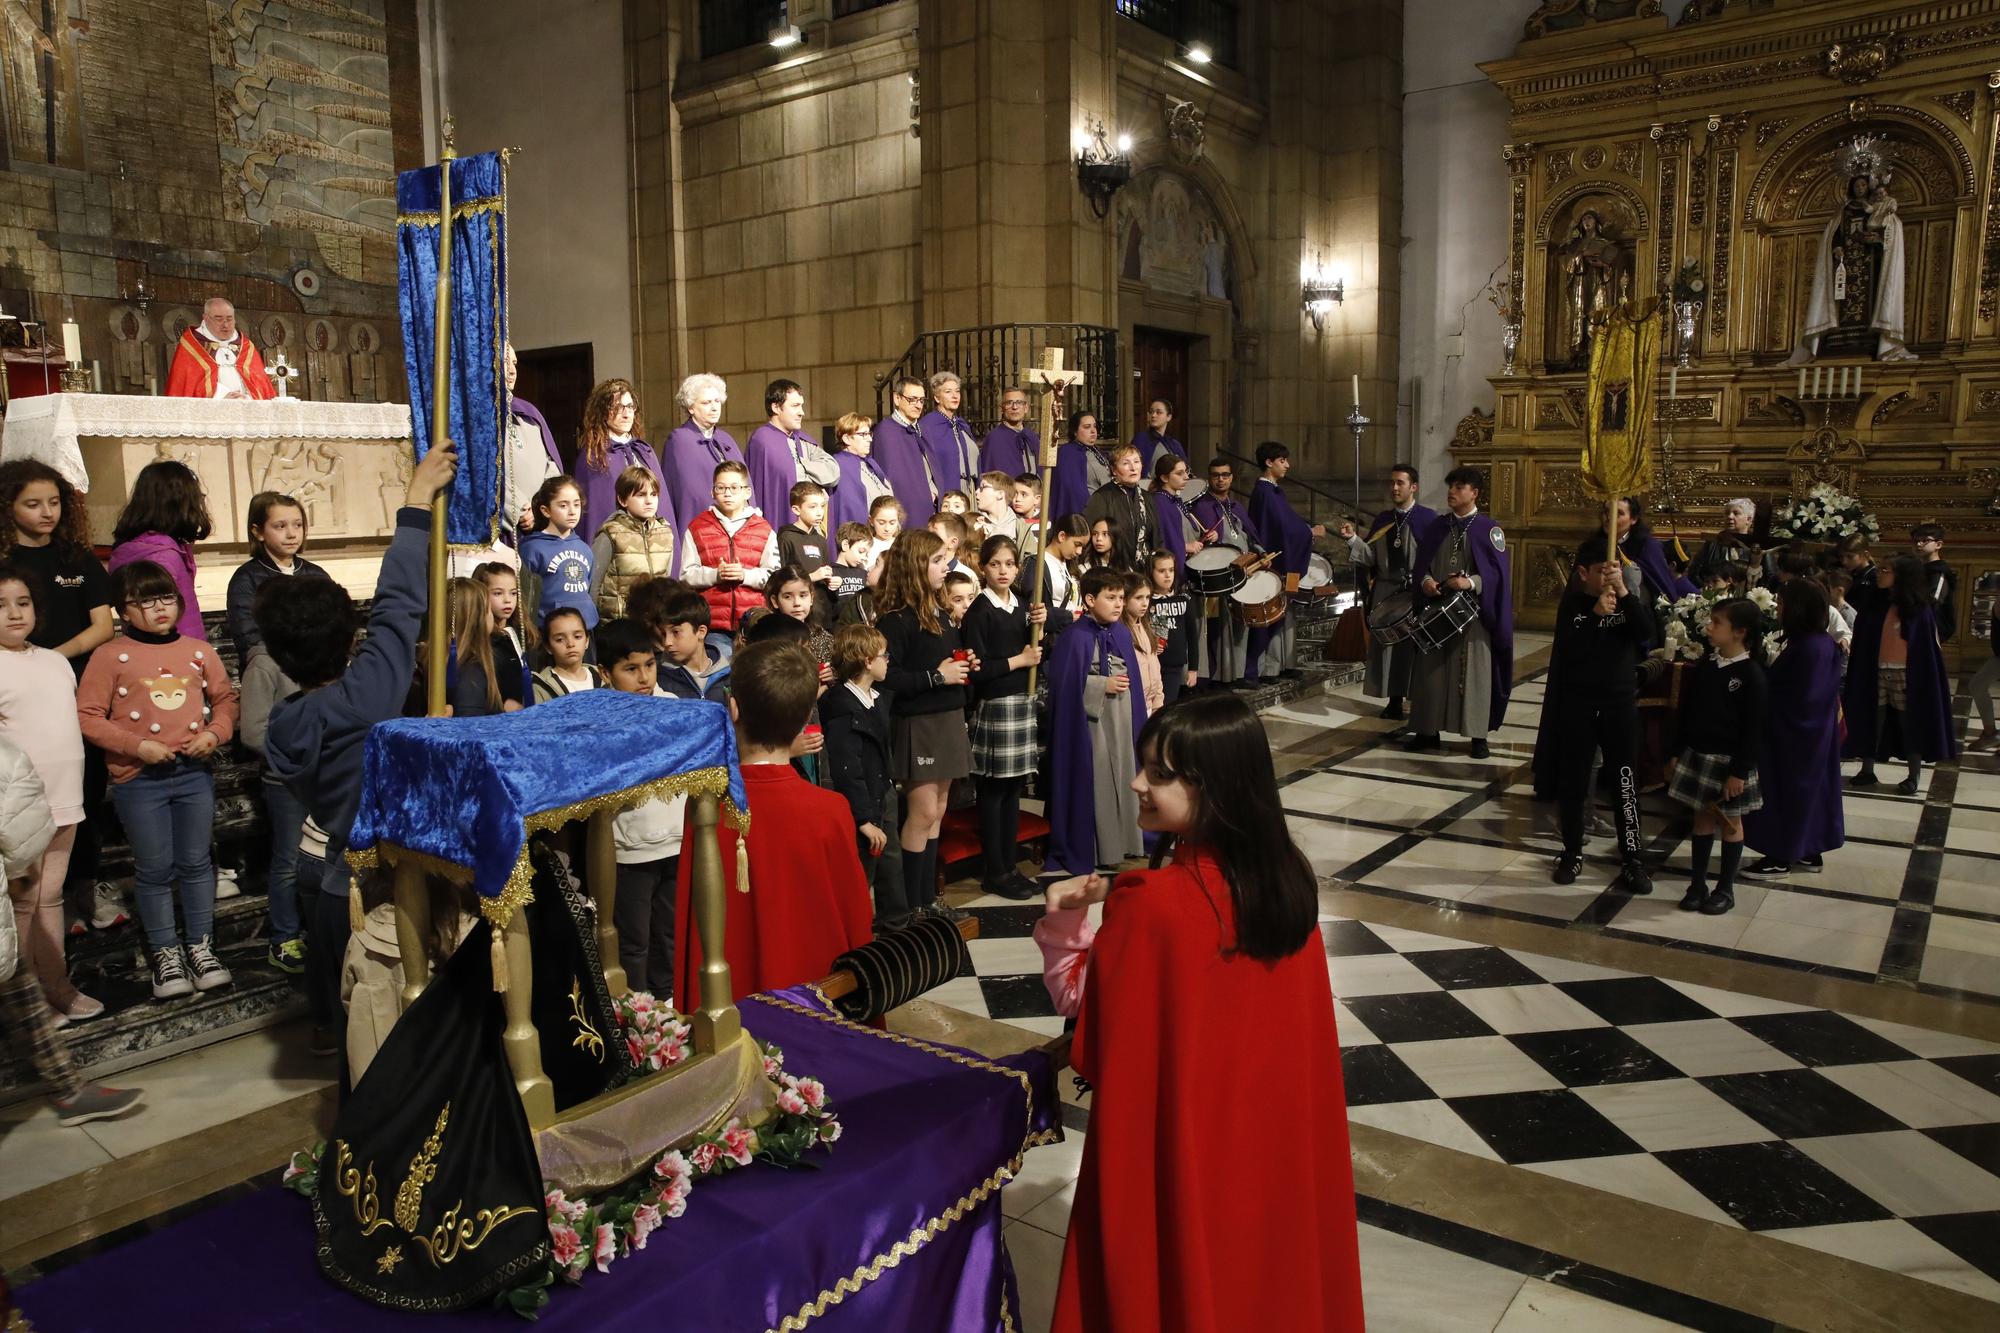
<point x="900" y="453"/>
<point x="1486" y="547"/>
<point x="1800" y="768"/>
<point x="1071" y="810"/>
<point x="689" y="468"/>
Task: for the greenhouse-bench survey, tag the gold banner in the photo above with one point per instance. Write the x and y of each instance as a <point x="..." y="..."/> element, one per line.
<point x="1624" y="363"/>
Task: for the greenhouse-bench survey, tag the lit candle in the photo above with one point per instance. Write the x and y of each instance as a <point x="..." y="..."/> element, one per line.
<point x="1845" y="373"/>
<point x="72" y="342"/>
<point x="1802" y="381"/>
<point x="1674" y="382"/>
<point x="152" y="385"/>
<point x="1818" y="371"/>
<point x="1357" y="390"/>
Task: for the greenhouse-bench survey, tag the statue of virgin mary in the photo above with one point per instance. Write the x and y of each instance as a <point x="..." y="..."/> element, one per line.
<point x="1856" y="307"/>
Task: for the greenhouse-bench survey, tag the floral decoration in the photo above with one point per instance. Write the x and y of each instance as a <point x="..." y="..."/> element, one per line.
<point x="1825" y="515"/>
<point x="1689" y="285"/>
<point x="1685" y="621"/>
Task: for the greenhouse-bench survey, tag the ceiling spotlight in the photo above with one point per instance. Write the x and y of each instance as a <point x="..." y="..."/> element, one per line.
<point x="1197" y="53"/>
<point x="786" y="35"/>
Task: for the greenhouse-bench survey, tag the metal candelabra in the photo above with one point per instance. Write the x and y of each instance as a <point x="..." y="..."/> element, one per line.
<point x="1357" y="423"/>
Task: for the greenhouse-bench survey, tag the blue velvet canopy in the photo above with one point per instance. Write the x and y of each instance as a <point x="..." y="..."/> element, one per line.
<point x="478" y="329"/>
<point x="463" y="794"/>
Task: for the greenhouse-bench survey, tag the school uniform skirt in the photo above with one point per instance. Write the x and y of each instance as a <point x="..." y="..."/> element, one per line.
<point x="1003" y="737"/>
<point x="931" y="747"/>
<point x="1698" y="780"/>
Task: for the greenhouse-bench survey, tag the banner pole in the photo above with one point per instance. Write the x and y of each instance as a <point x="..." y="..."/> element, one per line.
<point x="437" y="645"/>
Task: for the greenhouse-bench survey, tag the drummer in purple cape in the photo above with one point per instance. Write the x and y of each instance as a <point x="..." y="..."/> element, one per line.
<point x="1181" y="535"/>
<point x="780" y="454"/>
<point x="1013" y="446"/>
<point x="954" y="454"/>
<point x="1382" y="561"/>
<point x="1124" y="501"/>
<point x="1229" y="537"/>
<point x="1281" y="530"/>
<point x="1463" y="685"/>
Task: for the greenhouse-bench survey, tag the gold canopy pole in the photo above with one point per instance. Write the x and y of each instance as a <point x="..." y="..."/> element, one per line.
<point x="1054" y="381"/>
<point x="437" y="644"/>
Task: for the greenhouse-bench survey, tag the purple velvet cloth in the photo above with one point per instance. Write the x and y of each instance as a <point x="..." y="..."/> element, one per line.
<point x="1072" y="812"/>
<point x="774" y="470"/>
<point x="899" y="451"/>
<point x="952" y="449"/>
<point x="1011" y="451"/>
<point x="1800" y="769"/>
<point x="1150" y="443"/>
<point x="689" y="464"/>
<point x="849" y="501"/>
<point x="921" y="1132"/>
<point x="1486" y="547"/>
<point x="600" y="484"/>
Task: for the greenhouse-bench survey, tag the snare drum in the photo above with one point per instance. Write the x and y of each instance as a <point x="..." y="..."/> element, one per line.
<point x="1443" y="620"/>
<point x="1393" y="616"/>
<point x="1214" y="572"/>
<point x="1319" y="573"/>
<point x="1261" y="599"/>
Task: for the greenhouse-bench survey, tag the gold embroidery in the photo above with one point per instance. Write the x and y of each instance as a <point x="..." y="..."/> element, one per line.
<point x="352" y="1184"/>
<point x="587" y="1038"/>
<point x="423" y="1170"/>
<point x="390" y="1258"/>
<point x="453" y="1236"/>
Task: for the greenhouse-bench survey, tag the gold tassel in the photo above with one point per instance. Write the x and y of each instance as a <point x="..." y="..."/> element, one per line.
<point x="743" y="863"/>
<point x="354" y="917"/>
<point x="499" y="963"/>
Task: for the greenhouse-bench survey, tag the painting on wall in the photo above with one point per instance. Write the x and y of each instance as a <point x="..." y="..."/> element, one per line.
<point x="303" y="110"/>
<point x="39" y="60"/>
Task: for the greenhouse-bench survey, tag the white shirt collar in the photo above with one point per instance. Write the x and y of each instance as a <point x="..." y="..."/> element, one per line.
<point x="619" y="439"/>
<point x="994" y="598"/>
<point x="209" y="334"/>
<point x="1722" y="661"/>
<point x="865" y="693"/>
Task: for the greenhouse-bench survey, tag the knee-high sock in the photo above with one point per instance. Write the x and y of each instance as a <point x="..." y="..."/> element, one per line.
<point x="1699" y="846"/>
<point x="914" y="893"/>
<point x="1732" y="854"/>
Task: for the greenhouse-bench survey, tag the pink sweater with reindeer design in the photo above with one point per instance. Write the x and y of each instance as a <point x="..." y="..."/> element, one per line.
<point x="148" y="687"/>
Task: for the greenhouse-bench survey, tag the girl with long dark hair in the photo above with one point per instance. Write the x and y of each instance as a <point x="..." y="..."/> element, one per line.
<point x="1157" y="1237"/>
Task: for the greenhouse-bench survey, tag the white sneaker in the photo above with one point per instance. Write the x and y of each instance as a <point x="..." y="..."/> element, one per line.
<point x="107" y="906"/>
<point x="208" y="970"/>
<point x="226" y="885"/>
<point x="170" y="977"/>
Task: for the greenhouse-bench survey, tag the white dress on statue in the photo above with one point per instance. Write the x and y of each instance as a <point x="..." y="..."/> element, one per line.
<point x="1887" y="316"/>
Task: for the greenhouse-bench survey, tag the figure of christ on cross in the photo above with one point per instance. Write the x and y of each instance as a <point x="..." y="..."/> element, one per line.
<point x="1054" y="382"/>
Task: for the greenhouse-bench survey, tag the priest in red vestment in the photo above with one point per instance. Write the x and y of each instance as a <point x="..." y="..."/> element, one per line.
<point x="214" y="359"/>
<point x="808" y="901"/>
<point x="1216" y="1192"/>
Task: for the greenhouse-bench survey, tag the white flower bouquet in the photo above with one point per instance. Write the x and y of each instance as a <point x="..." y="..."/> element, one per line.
<point x="1825" y="515"/>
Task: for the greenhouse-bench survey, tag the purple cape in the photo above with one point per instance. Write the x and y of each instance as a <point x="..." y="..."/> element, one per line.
<point x="899" y="452"/>
<point x="1011" y="451"/>
<point x="1208" y="511"/>
<point x="527" y="411"/>
<point x="1279" y="527"/>
<point x="1072" y="808"/>
<point x="1926" y="731"/>
<point x="1173" y="532"/>
<point x="600" y="484"/>
<point x="849" y="501"/>
<point x="773" y="471"/>
<point x="1150" y="445"/>
<point x="1069" y="489"/>
<point x="1486" y="545"/>
<point x="943" y="447"/>
<point x="1800" y="768"/>
<point x="689" y="464"/>
<point x="1651" y="558"/>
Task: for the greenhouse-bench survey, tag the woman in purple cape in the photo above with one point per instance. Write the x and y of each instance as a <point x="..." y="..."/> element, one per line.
<point x="1801" y="817"/>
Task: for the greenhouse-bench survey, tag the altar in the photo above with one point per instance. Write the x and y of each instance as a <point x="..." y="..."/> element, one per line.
<point x="346" y="463"/>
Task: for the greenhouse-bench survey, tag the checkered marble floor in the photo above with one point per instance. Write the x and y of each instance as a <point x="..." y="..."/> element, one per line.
<point x="1869" y="1140"/>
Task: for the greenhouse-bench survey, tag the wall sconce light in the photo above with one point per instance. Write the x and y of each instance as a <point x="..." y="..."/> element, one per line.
<point x="1320" y="290"/>
<point x="1101" y="172"/>
<point x="1197" y="53"/>
<point x="786" y="36"/>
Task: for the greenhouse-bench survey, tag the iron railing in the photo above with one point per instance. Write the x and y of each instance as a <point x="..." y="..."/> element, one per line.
<point x="995" y="357"/>
<point x="1246" y="469"/>
<point x="1213" y="22"/>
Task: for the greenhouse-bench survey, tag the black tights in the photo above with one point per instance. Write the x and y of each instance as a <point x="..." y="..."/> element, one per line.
<point x="999" y="828"/>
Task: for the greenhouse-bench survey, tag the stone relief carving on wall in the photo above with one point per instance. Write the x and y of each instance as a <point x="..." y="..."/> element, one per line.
<point x="1185" y="131"/>
<point x="301" y="469"/>
<point x="1171" y="238"/>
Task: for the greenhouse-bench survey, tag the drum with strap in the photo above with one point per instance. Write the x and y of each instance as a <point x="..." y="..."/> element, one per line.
<point x="1393" y="616"/>
<point x="1319" y="573"/>
<point x="1214" y="570"/>
<point x="1442" y="620"/>
<point x="1262" y="599"/>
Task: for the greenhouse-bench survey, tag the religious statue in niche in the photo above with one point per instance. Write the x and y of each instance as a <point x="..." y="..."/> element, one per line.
<point x="1856" y="307"/>
<point x="1591" y="272"/>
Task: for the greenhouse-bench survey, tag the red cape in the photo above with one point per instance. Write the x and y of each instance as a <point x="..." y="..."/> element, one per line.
<point x="808" y="902"/>
<point x="192" y="374"/>
<point x="1217" y="1193"/>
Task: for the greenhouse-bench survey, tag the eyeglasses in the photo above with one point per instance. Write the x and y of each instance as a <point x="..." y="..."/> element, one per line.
<point x="909" y="398"/>
<point x="861" y="435"/>
<point x="627" y="406"/>
<point x="1013" y="402"/>
<point x="720" y="489"/>
<point x="166" y="603"/>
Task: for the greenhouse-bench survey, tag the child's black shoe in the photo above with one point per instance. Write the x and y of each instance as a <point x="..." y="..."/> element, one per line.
<point x="1695" y="896"/>
<point x="1568" y="866"/>
<point x="1718" y="902"/>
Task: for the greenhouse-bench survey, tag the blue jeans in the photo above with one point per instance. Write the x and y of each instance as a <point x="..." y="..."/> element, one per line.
<point x="169" y="816"/>
<point x="287" y="815"/>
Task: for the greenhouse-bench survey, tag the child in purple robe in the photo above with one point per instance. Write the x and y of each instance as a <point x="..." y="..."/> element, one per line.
<point x="1898" y="696"/>
<point x="1096" y="714"/>
<point x="1801" y="818"/>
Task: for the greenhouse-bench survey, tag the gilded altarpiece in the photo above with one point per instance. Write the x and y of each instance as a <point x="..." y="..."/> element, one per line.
<point x="1723" y="147"/>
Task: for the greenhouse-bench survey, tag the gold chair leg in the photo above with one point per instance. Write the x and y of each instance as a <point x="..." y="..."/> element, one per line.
<point x="715" y="1021"/>
<point x="601" y="872"/>
<point x="523" y="1044"/>
<point x="413" y="928"/>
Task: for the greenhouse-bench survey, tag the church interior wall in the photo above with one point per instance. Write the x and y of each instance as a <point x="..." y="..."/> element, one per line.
<point x="187" y="148"/>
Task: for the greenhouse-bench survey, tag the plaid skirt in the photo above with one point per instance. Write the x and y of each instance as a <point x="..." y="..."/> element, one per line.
<point x="1003" y="737"/>
<point x="1892" y="686"/>
<point x="1698" y="780"/>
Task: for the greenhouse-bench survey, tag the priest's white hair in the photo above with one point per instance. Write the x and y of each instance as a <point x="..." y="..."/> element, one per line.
<point x="697" y="384"/>
<point x="1740" y="505"/>
<point x="941" y="378"/>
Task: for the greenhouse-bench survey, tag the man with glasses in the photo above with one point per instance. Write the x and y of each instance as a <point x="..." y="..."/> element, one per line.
<point x="1012" y="446"/>
<point x="1226" y="654"/>
<point x="900" y="452"/>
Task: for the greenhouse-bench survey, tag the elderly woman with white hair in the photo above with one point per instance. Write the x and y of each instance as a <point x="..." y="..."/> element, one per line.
<point x="948" y="438"/>
<point x="698" y="445"/>
<point x="1731" y="546"/>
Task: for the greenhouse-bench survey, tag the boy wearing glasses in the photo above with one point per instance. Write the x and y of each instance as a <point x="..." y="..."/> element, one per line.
<point x="730" y="552"/>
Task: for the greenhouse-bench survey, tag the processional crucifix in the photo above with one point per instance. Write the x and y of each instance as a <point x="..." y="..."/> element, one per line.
<point x="1054" y="382"/>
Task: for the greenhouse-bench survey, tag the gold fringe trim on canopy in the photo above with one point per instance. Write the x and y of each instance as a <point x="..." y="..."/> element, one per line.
<point x="458" y="212"/>
<point x="518" y="891"/>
